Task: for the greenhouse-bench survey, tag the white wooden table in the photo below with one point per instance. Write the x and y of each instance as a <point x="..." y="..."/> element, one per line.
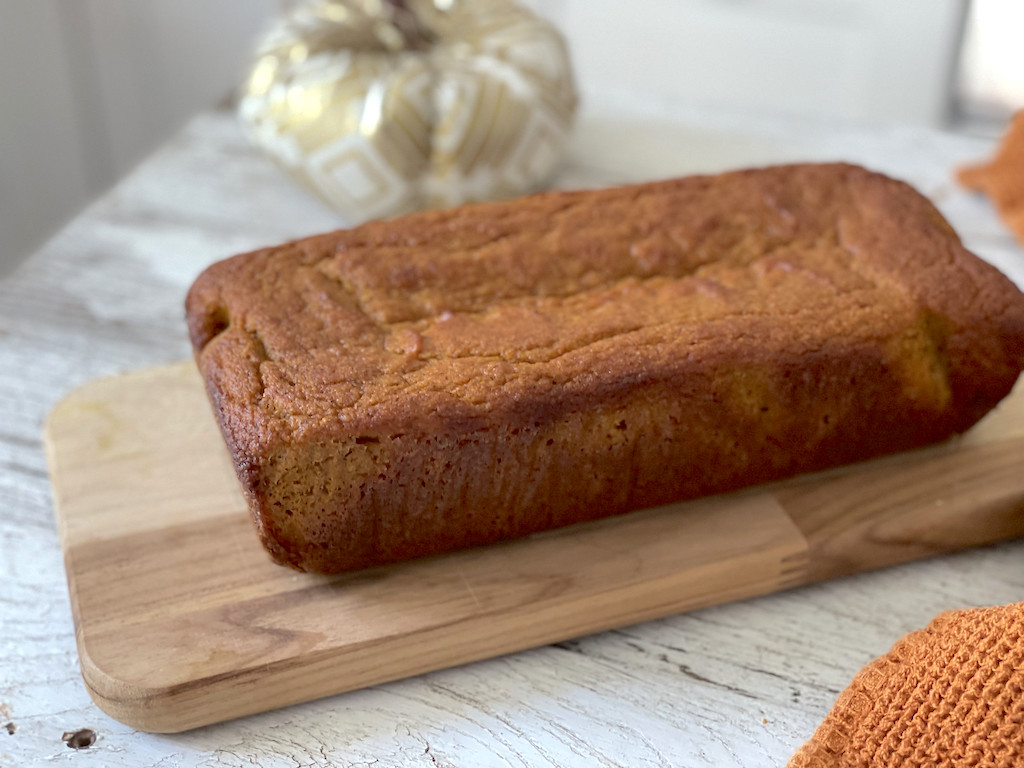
<point x="742" y="684"/>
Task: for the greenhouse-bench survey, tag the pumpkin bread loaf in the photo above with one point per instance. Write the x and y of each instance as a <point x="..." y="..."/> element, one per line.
<point x="455" y="378"/>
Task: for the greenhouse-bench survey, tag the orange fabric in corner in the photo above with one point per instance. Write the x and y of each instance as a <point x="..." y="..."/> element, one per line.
<point x="950" y="695"/>
<point x="1002" y="178"/>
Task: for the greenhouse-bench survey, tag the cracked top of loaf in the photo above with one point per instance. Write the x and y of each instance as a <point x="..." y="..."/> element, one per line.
<point x="452" y="320"/>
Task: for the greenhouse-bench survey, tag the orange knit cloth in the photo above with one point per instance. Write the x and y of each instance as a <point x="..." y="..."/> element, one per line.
<point x="1002" y="178"/>
<point x="948" y="695"/>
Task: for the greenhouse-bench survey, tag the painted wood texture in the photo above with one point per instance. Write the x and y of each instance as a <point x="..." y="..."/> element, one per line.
<point x="738" y="684"/>
<point x="183" y="621"/>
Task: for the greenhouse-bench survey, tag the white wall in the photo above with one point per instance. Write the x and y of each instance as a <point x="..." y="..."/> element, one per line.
<point x="991" y="82"/>
<point x="42" y="163"/>
<point x="858" y="60"/>
<point x="90" y="87"/>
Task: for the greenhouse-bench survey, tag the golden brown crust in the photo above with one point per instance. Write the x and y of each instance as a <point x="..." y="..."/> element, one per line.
<point x="454" y="378"/>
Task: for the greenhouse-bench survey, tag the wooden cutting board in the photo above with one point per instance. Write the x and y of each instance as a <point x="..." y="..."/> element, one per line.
<point x="182" y="620"/>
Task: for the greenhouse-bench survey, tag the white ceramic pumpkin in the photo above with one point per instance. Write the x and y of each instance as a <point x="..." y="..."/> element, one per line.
<point x="383" y="107"/>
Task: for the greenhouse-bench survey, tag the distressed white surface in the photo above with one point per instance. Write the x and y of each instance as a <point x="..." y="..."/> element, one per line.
<point x="742" y="684"/>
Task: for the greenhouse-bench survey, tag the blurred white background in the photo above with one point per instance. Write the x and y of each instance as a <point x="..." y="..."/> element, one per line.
<point x="88" y="88"/>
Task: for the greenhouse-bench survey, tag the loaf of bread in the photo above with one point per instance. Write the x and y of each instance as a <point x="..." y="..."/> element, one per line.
<point x="455" y="378"/>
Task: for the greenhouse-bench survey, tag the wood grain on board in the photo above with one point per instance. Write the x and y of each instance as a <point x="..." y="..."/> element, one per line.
<point x="182" y="620"/>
